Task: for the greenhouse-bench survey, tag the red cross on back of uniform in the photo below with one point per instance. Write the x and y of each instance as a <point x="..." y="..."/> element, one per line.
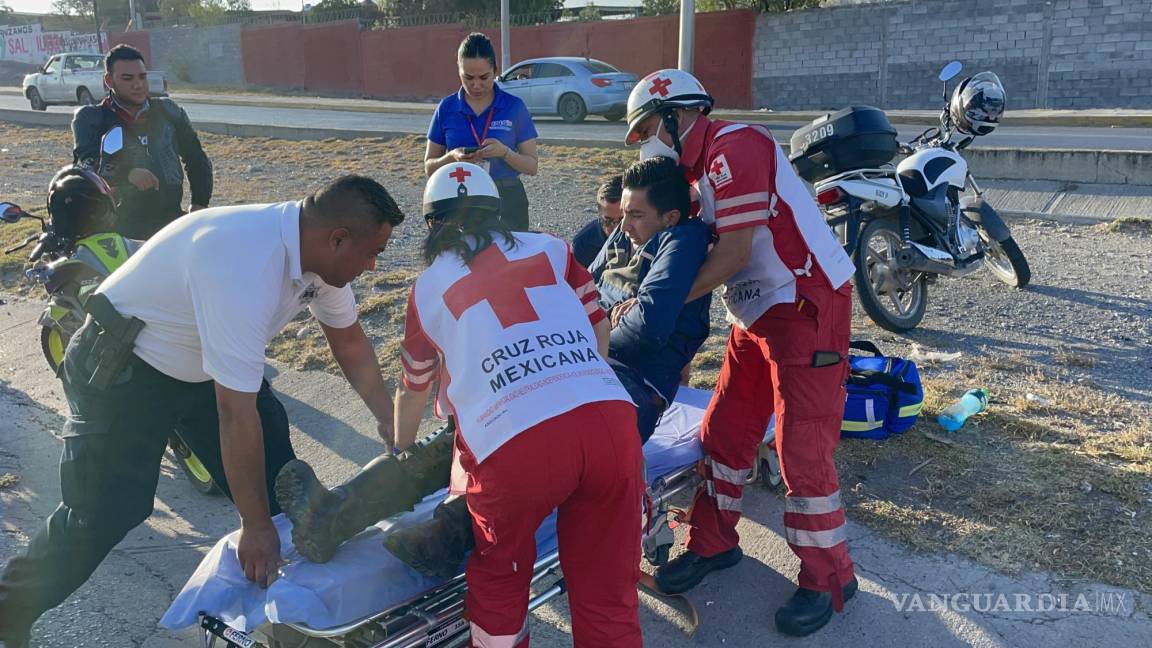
<point x="503" y="284"/>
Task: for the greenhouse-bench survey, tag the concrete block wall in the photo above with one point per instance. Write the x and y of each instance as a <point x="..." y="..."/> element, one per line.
<point x="1049" y="53"/>
<point x="204" y="55"/>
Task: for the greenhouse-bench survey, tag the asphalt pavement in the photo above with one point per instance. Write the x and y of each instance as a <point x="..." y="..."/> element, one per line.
<point x="597" y="129"/>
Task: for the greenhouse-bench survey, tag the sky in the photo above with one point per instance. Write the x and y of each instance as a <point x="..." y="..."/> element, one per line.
<point x="45" y="6"/>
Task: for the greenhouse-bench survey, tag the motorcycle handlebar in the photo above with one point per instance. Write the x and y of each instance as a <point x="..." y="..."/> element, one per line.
<point x="23" y="245"/>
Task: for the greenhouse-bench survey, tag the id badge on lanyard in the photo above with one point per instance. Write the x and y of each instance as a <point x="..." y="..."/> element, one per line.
<point x="485" y="163"/>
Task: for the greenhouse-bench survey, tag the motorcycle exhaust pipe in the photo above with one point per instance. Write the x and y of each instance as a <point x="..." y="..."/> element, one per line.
<point x="919" y="258"/>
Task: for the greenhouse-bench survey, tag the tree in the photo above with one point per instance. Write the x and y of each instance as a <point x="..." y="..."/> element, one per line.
<point x="238" y="5"/>
<point x="591" y="12"/>
<point x="660" y="7"/>
<point x="335" y="5"/>
<point x="112" y="10"/>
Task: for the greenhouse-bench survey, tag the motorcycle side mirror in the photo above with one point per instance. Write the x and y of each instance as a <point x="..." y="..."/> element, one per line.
<point x="10" y="212"/>
<point x="113" y="141"/>
<point x="950" y="71"/>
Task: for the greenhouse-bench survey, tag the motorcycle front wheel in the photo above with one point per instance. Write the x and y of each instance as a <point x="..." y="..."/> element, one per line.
<point x="893" y="298"/>
<point x="1006" y="262"/>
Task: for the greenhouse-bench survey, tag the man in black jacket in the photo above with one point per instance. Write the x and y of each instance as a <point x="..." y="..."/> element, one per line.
<point x="147" y="173"/>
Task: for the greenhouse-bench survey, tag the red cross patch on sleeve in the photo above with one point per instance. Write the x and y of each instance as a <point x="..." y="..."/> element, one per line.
<point x="719" y="172"/>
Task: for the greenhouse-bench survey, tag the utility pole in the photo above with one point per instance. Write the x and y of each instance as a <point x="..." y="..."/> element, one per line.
<point x="687" y="34"/>
<point x="132" y="17"/>
<point x="505" y="38"/>
<point x="96" y="17"/>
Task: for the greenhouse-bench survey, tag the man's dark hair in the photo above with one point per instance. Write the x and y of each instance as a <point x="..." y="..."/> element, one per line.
<point x="610" y="191"/>
<point x="121" y="53"/>
<point x="357" y="202"/>
<point x="477" y="45"/>
<point x="664" y="180"/>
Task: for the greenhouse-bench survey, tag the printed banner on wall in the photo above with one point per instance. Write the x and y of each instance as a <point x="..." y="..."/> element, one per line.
<point x="30" y="44"/>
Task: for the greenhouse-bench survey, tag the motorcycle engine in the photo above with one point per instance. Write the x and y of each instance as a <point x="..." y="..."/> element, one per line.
<point x="967" y="240"/>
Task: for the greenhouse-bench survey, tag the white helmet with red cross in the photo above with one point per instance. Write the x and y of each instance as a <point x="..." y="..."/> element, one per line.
<point x="459" y="187"/>
<point x="664" y="90"/>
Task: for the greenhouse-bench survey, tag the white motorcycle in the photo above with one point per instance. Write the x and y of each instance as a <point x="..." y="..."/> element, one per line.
<point x="907" y="224"/>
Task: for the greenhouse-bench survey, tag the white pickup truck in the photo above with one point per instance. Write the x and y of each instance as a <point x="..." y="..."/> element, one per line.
<point x="76" y="79"/>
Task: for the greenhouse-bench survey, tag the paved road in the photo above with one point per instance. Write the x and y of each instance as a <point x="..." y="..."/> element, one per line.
<point x="597" y="129"/>
<point x="130" y="591"/>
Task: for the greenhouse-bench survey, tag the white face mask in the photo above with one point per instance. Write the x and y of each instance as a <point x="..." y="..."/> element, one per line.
<point x="654" y="146"/>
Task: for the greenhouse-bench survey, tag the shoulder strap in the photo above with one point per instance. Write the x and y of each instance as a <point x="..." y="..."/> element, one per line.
<point x="868" y="377"/>
<point x="865" y="345"/>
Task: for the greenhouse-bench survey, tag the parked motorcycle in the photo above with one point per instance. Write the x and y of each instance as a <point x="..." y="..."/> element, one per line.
<point x="907" y="224"/>
<point x="70" y="271"/>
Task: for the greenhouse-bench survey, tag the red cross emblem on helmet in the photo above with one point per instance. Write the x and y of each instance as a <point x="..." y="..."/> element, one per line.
<point x="660" y="86"/>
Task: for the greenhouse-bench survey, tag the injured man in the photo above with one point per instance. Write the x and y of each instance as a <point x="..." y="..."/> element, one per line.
<point x="644" y="274"/>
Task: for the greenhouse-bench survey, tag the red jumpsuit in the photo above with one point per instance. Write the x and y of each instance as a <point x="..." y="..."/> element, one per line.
<point x="543" y="424"/>
<point x="792" y="299"/>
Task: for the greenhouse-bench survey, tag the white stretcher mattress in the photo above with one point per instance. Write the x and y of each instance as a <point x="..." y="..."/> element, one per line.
<point x="364" y="578"/>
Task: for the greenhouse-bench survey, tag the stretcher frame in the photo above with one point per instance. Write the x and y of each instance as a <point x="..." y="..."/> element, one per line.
<point x="435" y="619"/>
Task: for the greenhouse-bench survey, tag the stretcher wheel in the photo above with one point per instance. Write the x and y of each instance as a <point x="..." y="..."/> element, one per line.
<point x="770" y="472"/>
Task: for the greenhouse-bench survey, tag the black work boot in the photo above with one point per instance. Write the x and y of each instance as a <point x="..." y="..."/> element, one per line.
<point x="323" y="519"/>
<point x="808" y="610"/>
<point x="436" y="547"/>
<point x="689" y="568"/>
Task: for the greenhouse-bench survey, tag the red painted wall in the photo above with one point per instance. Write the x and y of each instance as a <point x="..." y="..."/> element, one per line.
<point x="332" y="58"/>
<point x="273" y="56"/>
<point x="420" y="62"/>
<point x="141" y="40"/>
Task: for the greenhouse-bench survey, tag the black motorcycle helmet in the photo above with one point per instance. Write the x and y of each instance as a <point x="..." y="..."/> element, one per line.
<point x="977" y="104"/>
<point x="80" y="203"/>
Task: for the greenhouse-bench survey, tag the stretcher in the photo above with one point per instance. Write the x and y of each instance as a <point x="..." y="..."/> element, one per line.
<point x="365" y="597"/>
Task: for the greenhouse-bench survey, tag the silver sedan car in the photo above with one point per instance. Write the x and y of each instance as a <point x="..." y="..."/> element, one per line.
<point x="570" y="87"/>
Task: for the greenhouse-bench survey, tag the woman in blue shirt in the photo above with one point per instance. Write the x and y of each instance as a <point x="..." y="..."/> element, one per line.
<point x="484" y="125"/>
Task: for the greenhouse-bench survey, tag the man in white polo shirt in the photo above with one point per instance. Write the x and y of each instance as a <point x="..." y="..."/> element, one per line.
<point x="210" y="291"/>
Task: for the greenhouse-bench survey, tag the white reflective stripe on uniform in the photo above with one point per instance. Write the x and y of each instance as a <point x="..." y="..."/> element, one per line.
<point x="482" y="639"/>
<point x="419" y="379"/>
<point x="813" y="505"/>
<point x="586" y="288"/>
<point x="728" y="129"/>
<point x="733" y="476"/>
<point x="743" y="217"/>
<point x="726" y="503"/>
<point x="821" y="539"/>
<point x="760" y="196"/>
<point x="416" y="365"/>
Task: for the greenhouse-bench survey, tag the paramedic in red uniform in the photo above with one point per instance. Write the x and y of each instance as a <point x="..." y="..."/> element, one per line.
<point x="509" y="327"/>
<point x="786" y="288"/>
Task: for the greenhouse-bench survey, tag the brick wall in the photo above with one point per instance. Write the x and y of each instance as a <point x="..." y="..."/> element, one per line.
<point x="208" y="55"/>
<point x="1049" y="53"/>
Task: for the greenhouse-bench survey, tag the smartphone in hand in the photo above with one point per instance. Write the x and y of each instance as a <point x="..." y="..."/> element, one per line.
<point x="469" y="150"/>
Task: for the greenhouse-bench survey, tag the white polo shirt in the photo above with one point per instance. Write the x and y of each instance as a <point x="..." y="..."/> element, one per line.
<point x="215" y="286"/>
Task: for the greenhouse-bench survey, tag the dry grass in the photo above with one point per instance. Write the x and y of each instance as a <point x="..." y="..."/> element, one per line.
<point x="1127" y="225"/>
<point x="9" y="480"/>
